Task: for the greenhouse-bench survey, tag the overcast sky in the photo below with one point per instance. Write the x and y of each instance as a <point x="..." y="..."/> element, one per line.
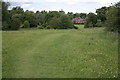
<point x="80" y="6"/>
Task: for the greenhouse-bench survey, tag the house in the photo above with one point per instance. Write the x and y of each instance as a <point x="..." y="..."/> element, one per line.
<point x="78" y="20"/>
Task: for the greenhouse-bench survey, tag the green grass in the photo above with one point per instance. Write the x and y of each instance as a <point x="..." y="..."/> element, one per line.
<point x="79" y="26"/>
<point x="83" y="53"/>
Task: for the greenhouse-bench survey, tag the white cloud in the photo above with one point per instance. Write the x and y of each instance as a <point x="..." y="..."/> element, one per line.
<point x="17" y="0"/>
<point x="67" y="5"/>
<point x="71" y="2"/>
<point x="32" y="9"/>
<point x="101" y="1"/>
<point x="51" y="0"/>
<point x="26" y="5"/>
<point x="74" y="2"/>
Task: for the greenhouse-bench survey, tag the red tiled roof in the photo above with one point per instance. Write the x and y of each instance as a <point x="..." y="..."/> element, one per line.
<point x="78" y="20"/>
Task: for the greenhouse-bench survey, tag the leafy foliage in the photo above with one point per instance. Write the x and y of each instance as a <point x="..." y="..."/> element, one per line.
<point x="17" y="10"/>
<point x="75" y="27"/>
<point x="55" y="23"/>
<point x="15" y="25"/>
<point x="39" y="27"/>
<point x="99" y="23"/>
<point x="66" y="23"/>
<point x="26" y="24"/>
<point x="113" y="18"/>
<point x="63" y="22"/>
<point x="106" y="16"/>
<point x="101" y="13"/>
<point x="5" y="16"/>
<point x="29" y="16"/>
<point x="91" y="20"/>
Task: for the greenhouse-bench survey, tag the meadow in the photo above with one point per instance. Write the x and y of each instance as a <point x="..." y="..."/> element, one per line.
<point x="82" y="53"/>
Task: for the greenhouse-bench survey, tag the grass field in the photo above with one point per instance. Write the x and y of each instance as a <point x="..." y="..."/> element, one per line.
<point x="79" y="26"/>
<point x="83" y="53"/>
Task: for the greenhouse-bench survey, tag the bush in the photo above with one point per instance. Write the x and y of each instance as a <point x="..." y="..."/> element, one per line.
<point x="39" y="27"/>
<point x="113" y="18"/>
<point x="22" y="26"/>
<point x="5" y="26"/>
<point x="99" y="23"/>
<point x="44" y="25"/>
<point x="91" y="20"/>
<point x="63" y="22"/>
<point x="26" y="24"/>
<point x="66" y="23"/>
<point x="55" y="23"/>
<point x="15" y="25"/>
<point x="75" y="27"/>
<point x="48" y="27"/>
<point x="88" y="25"/>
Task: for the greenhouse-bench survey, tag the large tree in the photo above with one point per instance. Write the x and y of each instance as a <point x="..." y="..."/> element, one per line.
<point x="70" y="14"/>
<point x="113" y="18"/>
<point x="15" y="24"/>
<point x="55" y="23"/>
<point x="17" y="10"/>
<point x="5" y="16"/>
<point x="91" y="20"/>
<point x="66" y="23"/>
<point x="29" y="16"/>
<point x="101" y="13"/>
<point x="83" y="15"/>
<point x="63" y="22"/>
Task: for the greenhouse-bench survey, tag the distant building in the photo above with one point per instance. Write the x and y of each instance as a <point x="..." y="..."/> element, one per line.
<point x="78" y="20"/>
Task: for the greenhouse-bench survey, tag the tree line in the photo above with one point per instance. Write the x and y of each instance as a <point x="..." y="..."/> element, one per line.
<point x="108" y="17"/>
<point x="16" y="18"/>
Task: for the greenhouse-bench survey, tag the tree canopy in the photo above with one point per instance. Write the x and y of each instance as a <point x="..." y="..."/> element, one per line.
<point x="108" y="17"/>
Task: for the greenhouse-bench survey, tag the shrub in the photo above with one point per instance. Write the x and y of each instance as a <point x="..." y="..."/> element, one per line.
<point x="75" y="27"/>
<point x="90" y="24"/>
<point x="91" y="20"/>
<point x="63" y="22"/>
<point x="44" y="25"/>
<point x="99" y="23"/>
<point x="113" y="18"/>
<point x="86" y="25"/>
<point x="15" y="25"/>
<point x="66" y="23"/>
<point x="55" y="23"/>
<point x="48" y="27"/>
<point x="22" y="25"/>
<point x="39" y="27"/>
<point x="26" y="24"/>
<point x="5" y="26"/>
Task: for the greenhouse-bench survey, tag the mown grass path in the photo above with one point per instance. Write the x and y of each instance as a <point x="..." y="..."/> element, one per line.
<point x="60" y="54"/>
